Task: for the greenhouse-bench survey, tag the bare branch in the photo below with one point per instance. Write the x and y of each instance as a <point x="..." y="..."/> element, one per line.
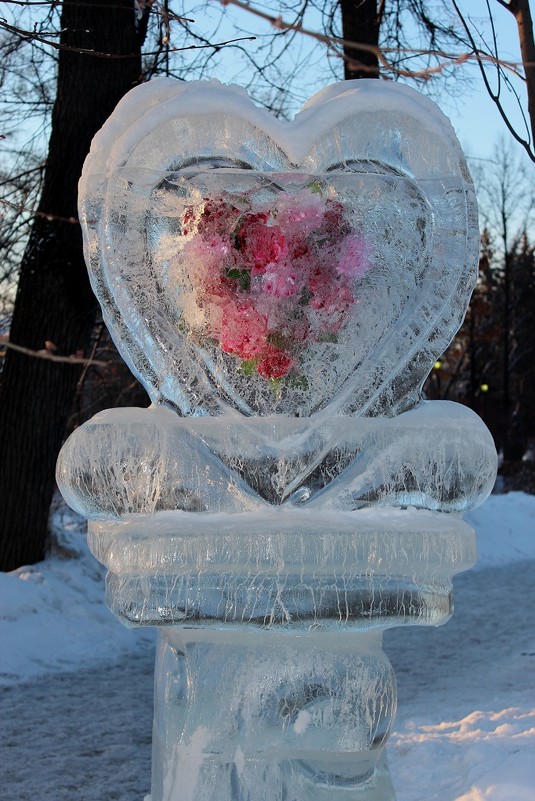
<point x="495" y="96"/>
<point x="36" y="213"/>
<point x="32" y="36"/>
<point x="47" y="353"/>
<point x="334" y="45"/>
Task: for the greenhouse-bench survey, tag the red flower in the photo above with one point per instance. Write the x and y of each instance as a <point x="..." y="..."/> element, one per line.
<point x="270" y="278"/>
<point x="274" y="363"/>
<point x="188" y="219"/>
<point x="260" y="244"/>
<point x="243" y="329"/>
<point x="334" y="222"/>
<point x="217" y="218"/>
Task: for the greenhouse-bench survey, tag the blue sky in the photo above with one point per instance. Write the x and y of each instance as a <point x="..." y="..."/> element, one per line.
<point x="471" y="111"/>
<point x="474" y="115"/>
<point x="466" y="102"/>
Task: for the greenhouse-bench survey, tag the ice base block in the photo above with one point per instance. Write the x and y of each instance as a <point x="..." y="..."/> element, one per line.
<point x="267" y="716"/>
<point x="271" y="683"/>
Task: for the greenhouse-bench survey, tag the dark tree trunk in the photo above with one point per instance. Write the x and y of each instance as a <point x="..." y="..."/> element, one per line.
<point x="521" y="11"/>
<point x="54" y="302"/>
<point x="361" y="21"/>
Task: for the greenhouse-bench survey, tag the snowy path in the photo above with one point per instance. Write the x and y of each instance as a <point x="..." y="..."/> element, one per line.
<point x="85" y="736"/>
<point x="465" y="728"/>
<point x="486" y="648"/>
<point x="81" y="736"/>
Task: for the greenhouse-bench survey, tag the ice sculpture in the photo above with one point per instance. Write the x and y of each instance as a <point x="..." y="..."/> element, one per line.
<point x="282" y="290"/>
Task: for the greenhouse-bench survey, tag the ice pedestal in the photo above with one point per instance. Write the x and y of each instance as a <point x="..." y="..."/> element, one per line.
<point x="271" y="682"/>
<point x="282" y="291"/>
<point x="271" y="717"/>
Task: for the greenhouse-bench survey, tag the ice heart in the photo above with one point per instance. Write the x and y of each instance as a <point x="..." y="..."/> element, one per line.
<point x="251" y="265"/>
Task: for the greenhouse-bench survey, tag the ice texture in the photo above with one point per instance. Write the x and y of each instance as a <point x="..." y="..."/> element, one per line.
<point x="381" y="151"/>
<point x="272" y="521"/>
<point x="126" y="461"/>
<point x="271" y="716"/>
<point x="293" y="571"/>
<point x="282" y="290"/>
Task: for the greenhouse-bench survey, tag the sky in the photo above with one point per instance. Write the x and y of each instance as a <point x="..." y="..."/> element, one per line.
<point x="471" y="111"/>
<point x="473" y="114"/>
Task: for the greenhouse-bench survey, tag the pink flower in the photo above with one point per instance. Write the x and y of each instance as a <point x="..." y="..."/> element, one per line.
<point x="188" y="220"/>
<point x="260" y="244"/>
<point x="280" y="281"/>
<point x="353" y="259"/>
<point x="244" y="329"/>
<point x="330" y="302"/>
<point x="301" y="213"/>
<point x="298" y="249"/>
<point x="334" y="220"/>
<point x="266" y="282"/>
<point x="300" y="331"/>
<point x="203" y="259"/>
<point x="218" y="218"/>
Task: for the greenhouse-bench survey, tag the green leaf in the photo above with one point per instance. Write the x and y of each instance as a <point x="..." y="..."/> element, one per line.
<point x="299" y="382"/>
<point x="243" y="277"/>
<point x="277" y="339"/>
<point x="248" y="367"/>
<point x="304" y="300"/>
<point x="315" y="187"/>
<point x="276" y="387"/>
<point x="327" y="337"/>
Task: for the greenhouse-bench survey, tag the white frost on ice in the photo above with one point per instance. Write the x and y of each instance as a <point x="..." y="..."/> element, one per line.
<point x="303" y="720"/>
<point x="239" y="760"/>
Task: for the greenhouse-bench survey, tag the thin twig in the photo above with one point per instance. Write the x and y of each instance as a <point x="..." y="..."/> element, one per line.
<point x="47" y="215"/>
<point x="495" y="96"/>
<point x="332" y="43"/>
<point x="32" y="36"/>
<point x="91" y="360"/>
<point x="48" y="354"/>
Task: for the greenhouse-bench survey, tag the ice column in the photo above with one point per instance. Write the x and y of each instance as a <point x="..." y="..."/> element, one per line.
<point x="282" y="291"/>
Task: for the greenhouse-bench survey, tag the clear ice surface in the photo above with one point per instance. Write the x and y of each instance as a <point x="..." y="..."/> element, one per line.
<point x="282" y="290"/>
<point x="383" y="153"/>
<point x="126" y="461"/>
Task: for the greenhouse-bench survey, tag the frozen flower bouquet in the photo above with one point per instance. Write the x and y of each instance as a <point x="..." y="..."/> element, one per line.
<point x="269" y="279"/>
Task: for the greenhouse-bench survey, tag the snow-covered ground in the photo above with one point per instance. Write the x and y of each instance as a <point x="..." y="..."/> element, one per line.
<point x="76" y="687"/>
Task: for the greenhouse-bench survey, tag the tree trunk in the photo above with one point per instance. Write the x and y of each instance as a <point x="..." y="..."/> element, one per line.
<point x="521" y="11"/>
<point x="54" y="301"/>
<point x="360" y="23"/>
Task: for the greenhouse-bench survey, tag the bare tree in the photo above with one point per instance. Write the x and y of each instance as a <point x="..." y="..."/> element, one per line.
<point x="488" y="57"/>
<point x="54" y="303"/>
<point x="508" y="204"/>
<point x="19" y="192"/>
<point x="522" y="14"/>
<point x="412" y="39"/>
<point x="299" y="45"/>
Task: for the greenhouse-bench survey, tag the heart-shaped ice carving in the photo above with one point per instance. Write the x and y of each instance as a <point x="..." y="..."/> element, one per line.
<point x="341" y="246"/>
